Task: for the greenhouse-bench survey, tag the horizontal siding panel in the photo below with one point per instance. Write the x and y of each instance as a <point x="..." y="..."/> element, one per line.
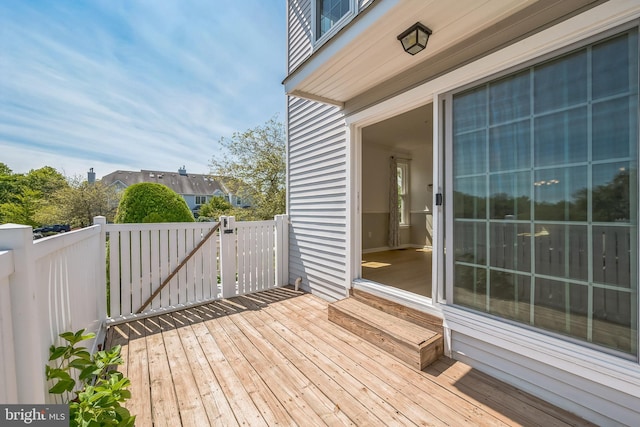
<point x="328" y="216"/>
<point x="326" y="162"/>
<point x="322" y="276"/>
<point x="308" y="113"/>
<point x="310" y="242"/>
<point x="318" y="180"/>
<point x="319" y="192"/>
<point x="312" y="119"/>
<point x="307" y="132"/>
<point x="331" y="291"/>
<point x="327" y="135"/>
<point x="578" y="394"/>
<point x="330" y="149"/>
<point x="321" y="260"/>
<point x="317" y="196"/>
<point x="321" y="176"/>
<point x="316" y="206"/>
<point x="322" y="234"/>
<point x="301" y="109"/>
<point x="299" y="32"/>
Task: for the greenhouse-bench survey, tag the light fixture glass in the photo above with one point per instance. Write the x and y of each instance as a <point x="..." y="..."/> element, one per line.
<point x="415" y="38"/>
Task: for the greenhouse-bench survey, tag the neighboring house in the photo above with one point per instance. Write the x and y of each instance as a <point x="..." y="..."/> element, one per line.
<point x="511" y="140"/>
<point x="196" y="189"/>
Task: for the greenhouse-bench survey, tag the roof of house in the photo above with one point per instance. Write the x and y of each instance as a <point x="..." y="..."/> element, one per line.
<point x="180" y="182"/>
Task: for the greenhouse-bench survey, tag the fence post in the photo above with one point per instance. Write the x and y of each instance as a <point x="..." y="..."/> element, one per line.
<point x="8" y="381"/>
<point x="102" y="270"/>
<point x="282" y="250"/>
<point x="228" y="256"/>
<point x="26" y="308"/>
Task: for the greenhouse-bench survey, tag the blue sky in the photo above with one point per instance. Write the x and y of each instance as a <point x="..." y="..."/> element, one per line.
<point x="135" y="84"/>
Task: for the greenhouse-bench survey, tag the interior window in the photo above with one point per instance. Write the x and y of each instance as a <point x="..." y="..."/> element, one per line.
<point x="329" y="12"/>
<point x="545" y="172"/>
<point x="403" y="192"/>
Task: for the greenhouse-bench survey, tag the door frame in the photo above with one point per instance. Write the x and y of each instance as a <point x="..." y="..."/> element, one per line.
<point x="355" y="123"/>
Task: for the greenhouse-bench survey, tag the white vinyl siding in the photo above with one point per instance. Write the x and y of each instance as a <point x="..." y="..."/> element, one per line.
<point x="299" y="39"/>
<point x="317" y="197"/>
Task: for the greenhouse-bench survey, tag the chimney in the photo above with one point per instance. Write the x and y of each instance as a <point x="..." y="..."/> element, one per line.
<point x="91" y="176"/>
<point x="182" y="171"/>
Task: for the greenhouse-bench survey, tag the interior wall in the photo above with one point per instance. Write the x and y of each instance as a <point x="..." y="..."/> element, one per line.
<point x="421" y="195"/>
<point x="375" y="196"/>
<point x="406" y="136"/>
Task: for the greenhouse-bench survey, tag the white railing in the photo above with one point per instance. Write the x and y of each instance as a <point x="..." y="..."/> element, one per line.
<point x="58" y="284"/>
<point x="156" y="268"/>
<point x="8" y="380"/>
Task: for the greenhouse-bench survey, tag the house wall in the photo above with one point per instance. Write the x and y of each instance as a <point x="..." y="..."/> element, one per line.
<point x="317" y="197"/>
<point x="317" y="175"/>
<point x="190" y="199"/>
<point x="299" y="42"/>
<point x="603" y="388"/>
<point x="600" y="387"/>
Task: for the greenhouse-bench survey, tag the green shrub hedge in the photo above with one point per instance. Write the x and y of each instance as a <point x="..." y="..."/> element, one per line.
<point x="150" y="202"/>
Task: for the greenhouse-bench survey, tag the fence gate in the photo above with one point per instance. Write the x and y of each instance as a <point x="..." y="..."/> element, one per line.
<point x="161" y="267"/>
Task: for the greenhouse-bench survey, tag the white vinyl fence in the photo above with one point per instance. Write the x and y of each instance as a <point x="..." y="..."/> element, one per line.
<point x="58" y="284"/>
<point x="155" y="268"/>
<point x="53" y="285"/>
<point x="8" y="384"/>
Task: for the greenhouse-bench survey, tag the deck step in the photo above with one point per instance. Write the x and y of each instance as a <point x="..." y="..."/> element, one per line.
<point x="413" y="344"/>
<point x="402" y="311"/>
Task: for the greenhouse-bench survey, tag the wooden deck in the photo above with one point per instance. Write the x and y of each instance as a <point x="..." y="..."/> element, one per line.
<point x="273" y="358"/>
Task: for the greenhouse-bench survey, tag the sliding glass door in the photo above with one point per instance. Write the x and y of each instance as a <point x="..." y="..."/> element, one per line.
<point x="545" y="195"/>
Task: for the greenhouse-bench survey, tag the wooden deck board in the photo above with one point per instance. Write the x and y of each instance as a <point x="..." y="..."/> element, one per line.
<point x="273" y="358"/>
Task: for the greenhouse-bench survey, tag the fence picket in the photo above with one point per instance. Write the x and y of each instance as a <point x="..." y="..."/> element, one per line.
<point x="145" y="263"/>
<point x="182" y="289"/>
<point x="136" y="270"/>
<point x="125" y="266"/>
<point x="165" y="264"/>
<point x="156" y="273"/>
<point x="114" y="275"/>
<point x="163" y="253"/>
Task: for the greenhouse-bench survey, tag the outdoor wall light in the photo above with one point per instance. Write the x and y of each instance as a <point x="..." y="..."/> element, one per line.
<point x="415" y="38"/>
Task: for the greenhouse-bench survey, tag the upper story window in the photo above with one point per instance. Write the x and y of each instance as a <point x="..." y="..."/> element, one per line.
<point x="328" y="13"/>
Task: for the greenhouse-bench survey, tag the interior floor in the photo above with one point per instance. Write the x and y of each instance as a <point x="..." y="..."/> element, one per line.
<point x="407" y="269"/>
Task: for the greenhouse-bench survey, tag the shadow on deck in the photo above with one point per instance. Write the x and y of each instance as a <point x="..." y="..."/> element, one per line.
<point x="273" y="358"/>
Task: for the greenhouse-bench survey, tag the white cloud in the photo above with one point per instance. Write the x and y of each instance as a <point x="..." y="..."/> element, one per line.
<point x="134" y="84"/>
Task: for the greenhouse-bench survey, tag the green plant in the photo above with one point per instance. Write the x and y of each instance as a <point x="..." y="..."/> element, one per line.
<point x="102" y="388"/>
<point x="148" y="202"/>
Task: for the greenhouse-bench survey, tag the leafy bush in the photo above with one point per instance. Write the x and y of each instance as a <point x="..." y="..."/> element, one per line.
<point x="103" y="388"/>
<point x="215" y="207"/>
<point x="150" y="202"/>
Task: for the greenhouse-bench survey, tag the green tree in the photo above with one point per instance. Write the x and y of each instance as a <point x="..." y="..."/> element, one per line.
<point x="45" y="180"/>
<point x="78" y="203"/>
<point x="252" y="165"/>
<point x="23" y="208"/>
<point x="215" y="207"/>
<point x="150" y="202"/>
<point x="9" y="184"/>
<point x="23" y="197"/>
